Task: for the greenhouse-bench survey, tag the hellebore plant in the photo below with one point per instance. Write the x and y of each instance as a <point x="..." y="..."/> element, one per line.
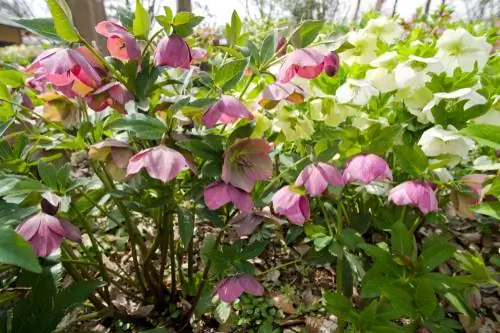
<point x="190" y="160"/>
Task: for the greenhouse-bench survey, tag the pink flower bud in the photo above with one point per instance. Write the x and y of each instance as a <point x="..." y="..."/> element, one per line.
<point x="292" y="205"/>
<point x="280" y="47"/>
<point x="366" y="168"/>
<point x="173" y="51"/>
<point x="317" y="176"/>
<point x="332" y="63"/>
<point x="307" y="63"/>
<point x="226" y="110"/>
<point x="415" y="193"/>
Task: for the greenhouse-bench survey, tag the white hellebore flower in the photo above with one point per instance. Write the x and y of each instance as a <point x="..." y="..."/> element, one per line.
<point x="364" y="50"/>
<point x="294" y="124"/>
<point x="492" y="117"/>
<point x="329" y="111"/>
<point x="415" y="100"/>
<point x="438" y="141"/>
<point x="413" y="73"/>
<point x="382" y="76"/>
<point x="357" y="92"/>
<point x="386" y="29"/>
<point x="458" y="48"/>
<point x="472" y="97"/>
<point x="362" y="121"/>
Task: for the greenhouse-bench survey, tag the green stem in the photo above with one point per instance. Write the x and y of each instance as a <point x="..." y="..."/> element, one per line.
<point x="249" y="82"/>
<point x="272" y="182"/>
<point x="171" y="245"/>
<point x="279" y="267"/>
<point x="339" y="274"/>
<point x="327" y="219"/>
<point x="150" y="41"/>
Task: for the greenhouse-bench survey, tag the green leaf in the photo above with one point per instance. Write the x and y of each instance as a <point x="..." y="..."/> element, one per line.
<point x="306" y="33"/>
<point x="184" y="22"/>
<point x="338" y="305"/>
<point x="268" y="48"/>
<point x="401" y="240"/>
<point x="367" y="317"/>
<point x="243" y="131"/>
<point x="40" y="26"/>
<point x="350" y="238"/>
<point x="489" y="208"/>
<point x="411" y="159"/>
<point x="488" y="135"/>
<point x="230" y="73"/>
<point x="14" y="186"/>
<point x="140" y="125"/>
<point x="141" y="23"/>
<point x="233" y="31"/>
<point x="63" y="20"/>
<point x="199" y="148"/>
<point x="14" y="250"/>
<point x="425" y="298"/>
<point x="434" y="255"/>
<point x="207" y="247"/>
<point x="7" y="113"/>
<point x="460" y="304"/>
<point x="314" y="230"/>
<point x="11" y="78"/>
<point x="48" y="174"/>
<point x="399" y="298"/>
<point x="73" y="296"/>
<point x="186" y="226"/>
<point x="253" y="250"/>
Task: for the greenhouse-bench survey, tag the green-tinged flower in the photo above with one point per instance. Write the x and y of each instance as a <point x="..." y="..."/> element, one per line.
<point x="294" y="124"/>
<point x="330" y="112"/>
<point x="364" y="50"/>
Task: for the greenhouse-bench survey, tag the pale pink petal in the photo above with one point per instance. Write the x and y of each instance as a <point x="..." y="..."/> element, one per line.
<point x="306" y="63"/>
<point x="225" y="111"/>
<point x="240" y="199"/>
<point x="366" y="168"/>
<point x="229" y="290"/>
<point x="250" y="285"/>
<point x="245" y="223"/>
<point x="160" y="162"/>
<point x="216" y="195"/>
<point x="71" y="232"/>
<point x="173" y="51"/>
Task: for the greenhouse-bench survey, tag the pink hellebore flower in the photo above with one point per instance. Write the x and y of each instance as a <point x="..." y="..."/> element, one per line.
<point x="160" y="162"/>
<point x="115" y="154"/>
<point x="308" y="64"/>
<point x="113" y="94"/>
<point x="173" y="51"/>
<point x="121" y="44"/>
<point x="366" y="168"/>
<point x="247" y="161"/>
<point x="218" y="194"/>
<point x="226" y="111"/>
<point x="245" y="223"/>
<point x="199" y="54"/>
<point x="277" y="92"/>
<point x="463" y="202"/>
<point x="45" y="231"/>
<point x="67" y="70"/>
<point x="415" y="193"/>
<point x="231" y="288"/>
<point x="317" y="176"/>
<point x="293" y="205"/>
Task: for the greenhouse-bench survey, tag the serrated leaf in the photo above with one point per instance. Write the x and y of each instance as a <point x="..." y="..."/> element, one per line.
<point x="489" y="208"/>
<point x="11" y="78"/>
<point x="230" y="73"/>
<point x="14" y="250"/>
<point x="306" y="33"/>
<point x="411" y="159"/>
<point x="432" y="256"/>
<point x="140" y="125"/>
<point x="253" y="250"/>
<point x="141" y="23"/>
<point x="425" y="298"/>
<point x="401" y="240"/>
<point x="186" y="227"/>
<point x="40" y="26"/>
<point x="338" y="305"/>
<point x="268" y="48"/>
<point x="48" y="174"/>
<point x="63" y="21"/>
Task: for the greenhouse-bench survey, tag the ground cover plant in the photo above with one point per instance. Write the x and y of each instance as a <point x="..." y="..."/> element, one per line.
<point x="308" y="180"/>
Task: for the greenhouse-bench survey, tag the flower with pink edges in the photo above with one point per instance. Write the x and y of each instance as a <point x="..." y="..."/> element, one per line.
<point x="276" y="92"/>
<point x="309" y="64"/>
<point x="219" y="194"/>
<point x="294" y="206"/>
<point x="464" y="201"/>
<point x="45" y="231"/>
<point x="67" y="70"/>
<point x="121" y="43"/>
<point x="161" y="162"/>
<point x="231" y="288"/>
<point x="226" y="110"/>
<point x="317" y="176"/>
<point x="114" y="95"/>
<point x="366" y="168"/>
<point x="415" y="193"/>
<point x="173" y="51"/>
<point x="247" y="161"/>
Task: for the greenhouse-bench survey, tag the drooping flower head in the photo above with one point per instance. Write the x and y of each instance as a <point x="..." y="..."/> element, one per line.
<point x="357" y="92"/>
<point x="58" y="108"/>
<point x="437" y="141"/>
<point x="45" y="231"/>
<point x="415" y="193"/>
<point x="364" y="50"/>
<point x="276" y="92"/>
<point x="366" y="168"/>
<point x="173" y="51"/>
<point x="317" y="176"/>
<point x="231" y="288"/>
<point x="113" y="94"/>
<point x="67" y="70"/>
<point x="226" y="110"/>
<point x="308" y="64"/>
<point x="121" y="44"/>
<point x="160" y="162"/>
<point x="218" y="194"/>
<point x="331" y="63"/>
<point x="115" y="154"/>
<point x="463" y="201"/>
<point x="247" y="161"/>
<point x="294" y="206"/>
<point x="384" y="28"/>
<point x="245" y="223"/>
